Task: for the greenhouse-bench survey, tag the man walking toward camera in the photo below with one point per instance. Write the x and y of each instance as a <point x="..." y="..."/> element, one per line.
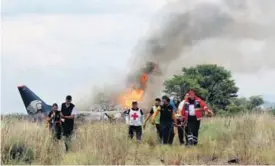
<point x="157" y="119"/>
<point x="134" y="118"/>
<point x="192" y="115"/>
<point x="180" y="123"/>
<point x="68" y="115"/>
<point x="167" y="121"/>
<point x="54" y="120"/>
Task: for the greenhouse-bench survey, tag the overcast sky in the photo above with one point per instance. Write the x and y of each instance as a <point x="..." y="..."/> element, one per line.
<point x="66" y="46"/>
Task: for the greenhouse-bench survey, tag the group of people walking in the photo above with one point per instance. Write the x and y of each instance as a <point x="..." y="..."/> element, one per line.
<point x="61" y="123"/>
<point x="186" y="119"/>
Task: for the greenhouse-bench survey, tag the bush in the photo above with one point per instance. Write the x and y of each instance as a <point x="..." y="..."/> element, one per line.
<point x="17" y="153"/>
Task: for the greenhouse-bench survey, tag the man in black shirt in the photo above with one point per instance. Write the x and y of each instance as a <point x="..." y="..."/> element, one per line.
<point x="167" y="121"/>
<point x="68" y="114"/>
<point x="54" y="120"/>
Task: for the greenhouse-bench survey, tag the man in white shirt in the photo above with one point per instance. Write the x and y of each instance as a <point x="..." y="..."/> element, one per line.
<point x="179" y="121"/>
<point x="134" y="118"/>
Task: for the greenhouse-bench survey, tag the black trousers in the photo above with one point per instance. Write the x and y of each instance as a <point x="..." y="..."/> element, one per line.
<point x="180" y="132"/>
<point x="137" y="130"/>
<point x="159" y="132"/>
<point x="57" y="131"/>
<point x="67" y="133"/>
<point x="167" y="133"/>
<point x="192" y="130"/>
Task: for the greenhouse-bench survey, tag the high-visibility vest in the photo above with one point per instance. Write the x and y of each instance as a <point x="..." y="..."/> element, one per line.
<point x="157" y="120"/>
<point x="199" y="107"/>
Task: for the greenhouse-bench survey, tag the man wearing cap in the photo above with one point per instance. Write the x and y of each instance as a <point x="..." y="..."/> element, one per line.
<point x="192" y="115"/>
<point x="68" y="115"/>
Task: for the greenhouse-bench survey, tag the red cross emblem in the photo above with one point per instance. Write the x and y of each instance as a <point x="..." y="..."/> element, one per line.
<point x="134" y="116"/>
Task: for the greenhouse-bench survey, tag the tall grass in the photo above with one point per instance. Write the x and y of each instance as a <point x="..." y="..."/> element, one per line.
<point x="248" y="138"/>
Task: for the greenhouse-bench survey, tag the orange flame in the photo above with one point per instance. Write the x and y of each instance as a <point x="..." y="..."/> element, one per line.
<point x="143" y="80"/>
<point x="130" y="96"/>
<point x="134" y="94"/>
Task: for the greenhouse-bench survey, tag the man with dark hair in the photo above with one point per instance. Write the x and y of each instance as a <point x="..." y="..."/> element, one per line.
<point x="192" y="115"/>
<point x="68" y="114"/>
<point x="167" y="121"/>
<point x="157" y="120"/>
<point x="54" y="120"/>
<point x="134" y="118"/>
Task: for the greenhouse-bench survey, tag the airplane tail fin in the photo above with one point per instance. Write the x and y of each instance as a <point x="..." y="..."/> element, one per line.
<point x="32" y="102"/>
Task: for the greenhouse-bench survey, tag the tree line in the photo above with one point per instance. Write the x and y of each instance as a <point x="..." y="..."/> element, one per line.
<point x="215" y="85"/>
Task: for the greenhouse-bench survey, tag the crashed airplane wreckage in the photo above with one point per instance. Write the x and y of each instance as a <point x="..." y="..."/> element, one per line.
<point x="37" y="109"/>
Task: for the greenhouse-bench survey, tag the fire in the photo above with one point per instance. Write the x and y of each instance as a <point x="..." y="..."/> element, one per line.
<point x="130" y="96"/>
<point x="137" y="90"/>
<point x="134" y="94"/>
<point x="143" y="80"/>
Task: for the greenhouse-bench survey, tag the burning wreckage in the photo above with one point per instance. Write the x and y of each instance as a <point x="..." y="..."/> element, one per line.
<point x="135" y="91"/>
<point x="37" y="109"/>
<point x="137" y="85"/>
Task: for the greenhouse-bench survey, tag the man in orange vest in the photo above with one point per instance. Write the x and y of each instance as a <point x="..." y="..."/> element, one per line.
<point x="192" y="115"/>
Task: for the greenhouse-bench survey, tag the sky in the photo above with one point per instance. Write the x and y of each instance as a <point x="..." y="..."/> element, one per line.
<point x="66" y="47"/>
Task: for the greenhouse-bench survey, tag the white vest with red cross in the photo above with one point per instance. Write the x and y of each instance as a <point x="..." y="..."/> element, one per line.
<point x="135" y="117"/>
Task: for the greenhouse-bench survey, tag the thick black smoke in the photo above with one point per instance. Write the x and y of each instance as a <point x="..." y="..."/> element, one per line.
<point x="237" y="34"/>
<point x="177" y="40"/>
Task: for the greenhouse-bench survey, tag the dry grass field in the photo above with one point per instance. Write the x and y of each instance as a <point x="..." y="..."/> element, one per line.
<point x="248" y="138"/>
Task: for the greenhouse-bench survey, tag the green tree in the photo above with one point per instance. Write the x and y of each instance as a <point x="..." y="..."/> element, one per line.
<point x="254" y="102"/>
<point x="239" y="101"/>
<point x="237" y="105"/>
<point x="211" y="82"/>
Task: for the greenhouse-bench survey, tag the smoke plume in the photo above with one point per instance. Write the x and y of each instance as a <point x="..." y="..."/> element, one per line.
<point x="236" y="34"/>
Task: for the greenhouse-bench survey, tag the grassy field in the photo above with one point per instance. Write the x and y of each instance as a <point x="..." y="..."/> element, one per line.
<point x="248" y="138"/>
